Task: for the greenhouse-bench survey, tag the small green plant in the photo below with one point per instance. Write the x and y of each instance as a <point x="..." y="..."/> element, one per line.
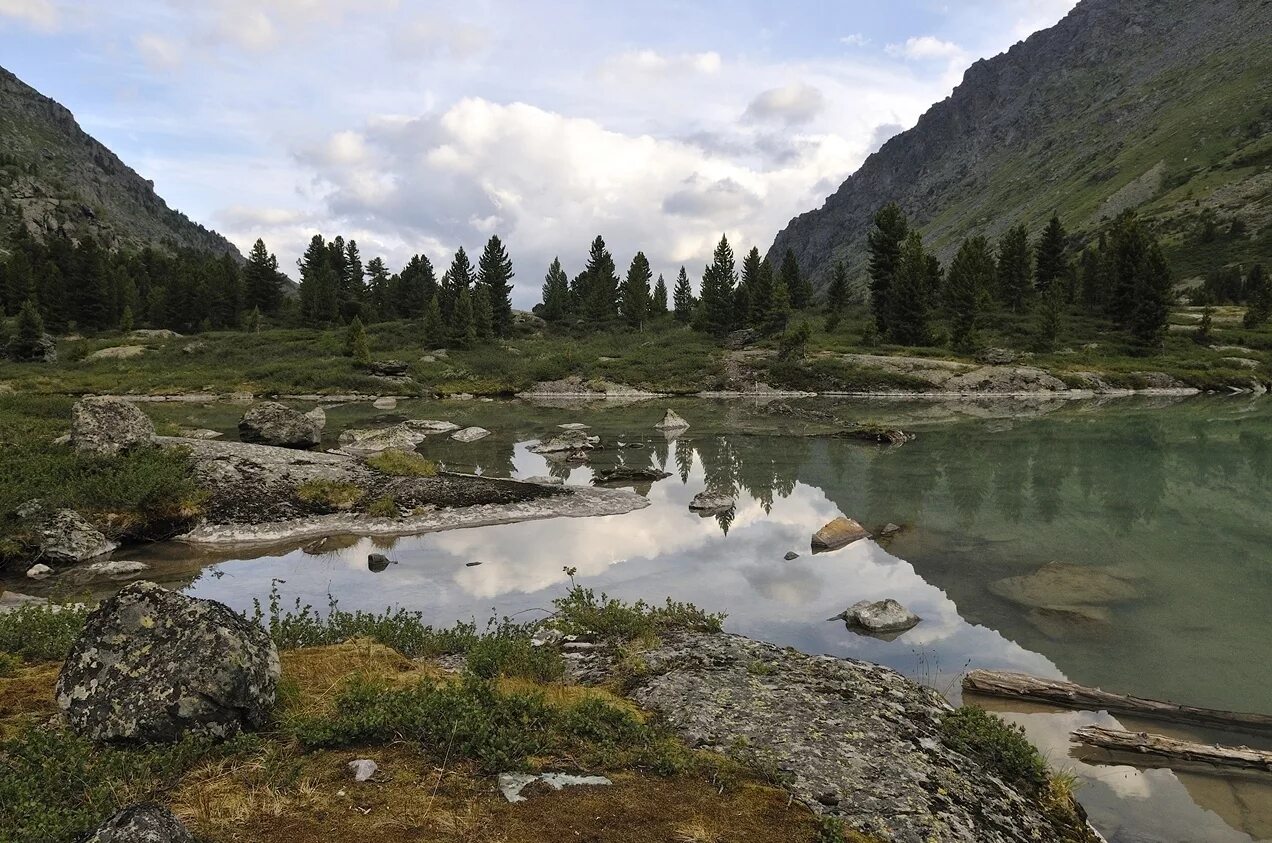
<point x="328" y="494"/>
<point x="402" y="464"/>
<point x="582" y="611"/>
<point x="1000" y="746"/>
<point x="384" y="506"/>
<point x="761" y="668"/>
<point x="40" y="632"/>
<point x="508" y="652"/>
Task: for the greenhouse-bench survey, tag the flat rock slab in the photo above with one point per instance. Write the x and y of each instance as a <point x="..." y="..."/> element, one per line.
<point x="119" y="352"/>
<point x="839" y="533"/>
<point x="1062" y="585"/>
<point x="470" y="434"/>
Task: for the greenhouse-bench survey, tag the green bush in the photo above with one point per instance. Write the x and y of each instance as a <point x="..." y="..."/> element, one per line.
<point x="582" y="611"/>
<point x="402" y="464"/>
<point x="40" y="632"/>
<point x="1000" y="746"/>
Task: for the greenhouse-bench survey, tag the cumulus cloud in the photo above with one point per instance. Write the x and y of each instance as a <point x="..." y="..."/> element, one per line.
<point x="654" y="63"/>
<point x="792" y="105"/>
<point x="41" y="14"/>
<point x="925" y="48"/>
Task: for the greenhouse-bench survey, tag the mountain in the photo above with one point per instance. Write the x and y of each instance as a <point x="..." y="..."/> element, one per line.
<point x="1160" y="105"/>
<point x="55" y="178"/>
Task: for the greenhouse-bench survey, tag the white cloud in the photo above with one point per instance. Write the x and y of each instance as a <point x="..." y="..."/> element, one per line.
<point x="854" y="40"/>
<point x="793" y="104"/>
<point x="652" y="63"/>
<point x="436" y="36"/>
<point x="925" y="47"/>
<point x="41" y="14"/>
<point x="158" y="52"/>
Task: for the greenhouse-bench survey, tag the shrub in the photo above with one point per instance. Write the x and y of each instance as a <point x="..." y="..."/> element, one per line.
<point x="402" y="464"/>
<point x="581" y="611"/>
<point x="1000" y="746"/>
<point x="40" y="632"/>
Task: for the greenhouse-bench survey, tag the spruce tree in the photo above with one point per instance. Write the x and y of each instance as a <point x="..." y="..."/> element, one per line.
<point x="836" y="296"/>
<point x="761" y="298"/>
<point x="715" y="315"/>
<point x="1124" y="254"/>
<point x="744" y="302"/>
<point x="658" y="305"/>
<point x="28" y="340"/>
<point x="884" y="243"/>
<point x="798" y="289"/>
<point x="462" y="331"/>
<point x="1014" y="276"/>
<point x="1258" y="292"/>
<point x="1050" y="259"/>
<point x="126" y="320"/>
<point x="600" y="283"/>
<point x="483" y="312"/>
<point x="379" y="296"/>
<point x="779" y="305"/>
<point x="1205" y="328"/>
<point x="908" y="293"/>
<point x="494" y="269"/>
<point x="682" y="298"/>
<point x="1151" y="313"/>
<point x="634" y="295"/>
<point x="1050" y="317"/>
<point x="356" y="345"/>
<point x="353" y="290"/>
<point x="556" y="293"/>
<point x="967" y="287"/>
<point x="459" y="278"/>
<point x="434" y="329"/>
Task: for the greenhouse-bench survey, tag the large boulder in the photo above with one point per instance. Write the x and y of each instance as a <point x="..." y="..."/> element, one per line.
<point x="470" y="434"/>
<point x="152" y="665"/>
<point x="63" y="536"/>
<point x="106" y="425"/>
<point x="271" y="423"/>
<point x="838" y="533"/>
<point x="148" y="822"/>
<point x="361" y="443"/>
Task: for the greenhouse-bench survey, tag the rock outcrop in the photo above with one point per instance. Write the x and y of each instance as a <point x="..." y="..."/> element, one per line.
<point x="145" y="823"/>
<point x="271" y="423"/>
<point x="399" y="437"/>
<point x="107" y="425"/>
<point x="153" y="665"/>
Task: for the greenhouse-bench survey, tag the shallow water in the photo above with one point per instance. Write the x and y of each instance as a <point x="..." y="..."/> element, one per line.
<point x="1170" y="496"/>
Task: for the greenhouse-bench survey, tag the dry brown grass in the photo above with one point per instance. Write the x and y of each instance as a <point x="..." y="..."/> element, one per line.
<point x="26" y="697"/>
<point x="313" y="676"/>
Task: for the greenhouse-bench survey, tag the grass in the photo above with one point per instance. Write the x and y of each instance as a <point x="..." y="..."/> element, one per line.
<point x="402" y="464"/>
<point x="328" y="495"/>
<point x="38" y="632"/>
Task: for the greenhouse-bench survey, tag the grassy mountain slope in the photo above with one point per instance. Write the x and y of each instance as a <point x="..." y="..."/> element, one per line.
<point x="56" y="178"/>
<point x="1160" y="105"/>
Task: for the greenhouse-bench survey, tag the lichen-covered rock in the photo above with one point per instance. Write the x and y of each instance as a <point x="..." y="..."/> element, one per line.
<point x="152" y="665"/>
<point x="118" y="352"/>
<point x="429" y="426"/>
<point x="63" y="536"/>
<point x="470" y="434"/>
<point x="399" y="437"/>
<point x="144" y="823"/>
<point x="838" y="533"/>
<point x="709" y="502"/>
<point x="567" y="441"/>
<point x="106" y="425"/>
<point x="881" y="616"/>
<point x="271" y="423"/>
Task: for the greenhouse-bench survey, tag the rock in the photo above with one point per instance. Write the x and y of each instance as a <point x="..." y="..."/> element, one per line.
<point x="119" y="352"/>
<point x="574" y="426"/>
<point x="512" y="784"/>
<point x="152" y="665"/>
<point x="881" y="616"/>
<point x="113" y="569"/>
<point x="1243" y="362"/>
<point x="889" y="530"/>
<point x="386" y="403"/>
<point x="628" y="474"/>
<point x="471" y="564"/>
<point x="876" y="434"/>
<point x="377" y="562"/>
<point x="388" y="368"/>
<point x="63" y="536"/>
<point x="997" y="356"/>
<point x="742" y="338"/>
<point x="106" y="425"/>
<point x="470" y="434"/>
<point x="39" y="572"/>
<point x="44" y="350"/>
<point x="428" y="426"/>
<point x="1005" y="379"/>
<point x="148" y="822"/>
<point x="838" y="533"/>
<point x="198" y="433"/>
<point x="1157" y="380"/>
<point x="318" y="416"/>
<point x="790" y="554"/>
<point x="1061" y="585"/>
<point x="710" y="503"/>
<point x="363" y="769"/>
<point x="671" y="421"/>
<point x="154" y="334"/>
<point x="271" y="423"/>
<point x="191" y="348"/>
<point x="1063" y="622"/>
<point x="575" y="440"/>
<point x="545" y="480"/>
<point x="367" y="442"/>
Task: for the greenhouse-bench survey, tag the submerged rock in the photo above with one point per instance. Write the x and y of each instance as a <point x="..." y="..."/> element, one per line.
<point x="545" y="480"/>
<point x="148" y="822"/>
<point x="385" y="403"/>
<point x="271" y="423"/>
<point x="568" y="442"/>
<point x="838" y="533"/>
<point x="709" y="503"/>
<point x="39" y="572"/>
<point x="470" y="434"/>
<point x="1062" y="585"/>
<point x="114" y="569"/>
<point x="427" y="426"/>
<point x="152" y="665"/>
<point x="574" y="426"/>
<point x="107" y="425"/>
<point x="671" y="421"/>
<point x="881" y="616"/>
<point x="877" y="434"/>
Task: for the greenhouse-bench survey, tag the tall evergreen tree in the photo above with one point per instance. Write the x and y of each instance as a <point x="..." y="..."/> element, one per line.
<point x="1014" y="276"/>
<point x="459" y="278"/>
<point x="1258" y="298"/>
<point x="353" y="290"/>
<point x="556" y="293"/>
<point x="1152" y="299"/>
<point x="262" y="282"/>
<point x="798" y="288"/>
<point x="715" y="315"/>
<point x="836" y="295"/>
<point x="658" y="304"/>
<point x="356" y="345"/>
<point x="884" y="242"/>
<point x="1050" y="316"/>
<point x="682" y="298"/>
<point x="634" y="295"/>
<point x="1124" y="255"/>
<point x="379" y="295"/>
<point x="778" y="310"/>
<point x="600" y="283"/>
<point x="461" y="328"/>
<point x="483" y="311"/>
<point x="434" y="329"/>
<point x="28" y="340"/>
<point x="417" y="284"/>
<point x="494" y="269"/>
<point x="1050" y="259"/>
<point x="967" y="287"/>
<point x="318" y="283"/>
<point x="908" y="294"/>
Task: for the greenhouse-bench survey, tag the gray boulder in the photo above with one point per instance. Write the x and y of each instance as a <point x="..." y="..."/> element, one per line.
<point x="671" y="420"/>
<point x="63" y="536"/>
<point x="388" y="368"/>
<point x="399" y="437"/>
<point x="570" y="440"/>
<point x="470" y="434"/>
<point x="838" y="533"/>
<point x="106" y="425"/>
<point x="709" y="503"/>
<point x="43" y="350"/>
<point x="148" y="822"/>
<point x="881" y="616"/>
<point x="118" y="352"/>
<point x="430" y="426"/>
<point x="152" y="665"/>
<point x="271" y="423"/>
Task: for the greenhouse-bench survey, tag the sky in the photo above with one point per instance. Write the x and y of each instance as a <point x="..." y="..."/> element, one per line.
<point x="418" y="127"/>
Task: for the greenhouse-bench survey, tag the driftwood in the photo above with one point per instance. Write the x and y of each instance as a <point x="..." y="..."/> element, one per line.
<point x="1172" y="750"/>
<point x="1057" y="692"/>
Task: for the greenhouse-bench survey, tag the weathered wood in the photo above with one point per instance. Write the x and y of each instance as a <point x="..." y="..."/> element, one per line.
<point x="1022" y="686"/>
<point x="1170" y="749"/>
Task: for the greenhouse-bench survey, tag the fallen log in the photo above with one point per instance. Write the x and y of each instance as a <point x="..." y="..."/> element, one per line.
<point x="1172" y="750"/>
<point x="1022" y="686"/>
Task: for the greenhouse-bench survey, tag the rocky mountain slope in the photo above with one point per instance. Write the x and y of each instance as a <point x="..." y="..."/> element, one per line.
<point x="56" y="178"/>
<point x="1160" y="105"/>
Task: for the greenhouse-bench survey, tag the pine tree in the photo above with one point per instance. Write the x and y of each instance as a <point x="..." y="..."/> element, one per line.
<point x="907" y="294"/>
<point x="462" y="332"/>
<point x="252" y="321"/>
<point x="1050" y="260"/>
<point x="884" y="242"/>
<point x="682" y="298"/>
<point x="494" y="269"/>
<point x="356" y="345"/>
<point x="434" y="331"/>
<point x="1152" y="298"/>
<point x="1050" y="317"/>
<point x="459" y="278"/>
<point x="967" y="287"/>
<point x="658" y="305"/>
<point x="379" y="296"/>
<point x="556" y="293"/>
<point x="483" y="311"/>
<point x="745" y="306"/>
<point x="353" y="289"/>
<point x="778" y="311"/>
<point x="798" y="289"/>
<point x="1205" y="327"/>
<point x="634" y="296"/>
<point x="1014" y="284"/>
<point x="28" y="341"/>
<point x="318" y="293"/>
<point x="715" y="316"/>
<point x="836" y="296"/>
<point x="600" y="283"/>
<point x="1258" y="298"/>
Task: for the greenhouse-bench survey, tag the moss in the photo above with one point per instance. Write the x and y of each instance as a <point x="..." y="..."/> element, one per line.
<point x="384" y="506"/>
<point x="403" y="464"/>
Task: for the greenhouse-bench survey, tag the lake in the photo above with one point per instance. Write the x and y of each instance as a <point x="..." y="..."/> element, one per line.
<point x="1166" y="498"/>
